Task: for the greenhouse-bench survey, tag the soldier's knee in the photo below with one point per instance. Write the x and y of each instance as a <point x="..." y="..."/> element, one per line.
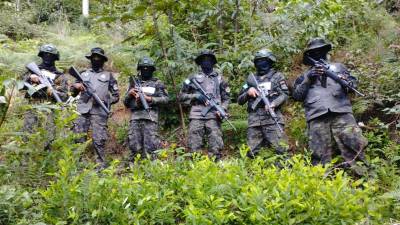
<point x="352" y="138"/>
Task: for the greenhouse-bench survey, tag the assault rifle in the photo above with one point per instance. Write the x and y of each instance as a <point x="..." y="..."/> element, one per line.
<point x="134" y="82"/>
<point x="89" y="90"/>
<point x="212" y="104"/>
<point x="333" y="75"/>
<point x="44" y="80"/>
<point x="263" y="96"/>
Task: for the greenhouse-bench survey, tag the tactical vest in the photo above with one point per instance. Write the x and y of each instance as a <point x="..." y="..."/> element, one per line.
<point x="37" y="93"/>
<point x="150" y="88"/>
<point x="100" y="83"/>
<point x="333" y="98"/>
<point x="259" y="116"/>
<point x="210" y="84"/>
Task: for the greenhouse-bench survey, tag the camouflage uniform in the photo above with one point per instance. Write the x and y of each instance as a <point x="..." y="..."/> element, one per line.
<point x="208" y="125"/>
<point x="92" y="116"/>
<point x="31" y="117"/>
<point x="329" y="113"/>
<point x="262" y="130"/>
<point x="143" y="129"/>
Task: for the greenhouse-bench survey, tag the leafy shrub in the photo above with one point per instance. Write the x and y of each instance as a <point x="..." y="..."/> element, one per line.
<point x="18" y="26"/>
<point x="202" y="192"/>
<point x="16" y="205"/>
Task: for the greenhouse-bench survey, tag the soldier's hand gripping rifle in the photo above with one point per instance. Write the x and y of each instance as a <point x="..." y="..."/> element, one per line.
<point x="89" y="90"/>
<point x="46" y="81"/>
<point x="212" y="104"/>
<point x="136" y="84"/>
<point x="263" y="96"/>
<point x="332" y="74"/>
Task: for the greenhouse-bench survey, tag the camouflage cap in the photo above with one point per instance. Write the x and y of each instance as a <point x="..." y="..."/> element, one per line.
<point x="264" y="53"/>
<point x="146" y="61"/>
<point x="97" y="51"/>
<point x="204" y="53"/>
<point x="49" y="48"/>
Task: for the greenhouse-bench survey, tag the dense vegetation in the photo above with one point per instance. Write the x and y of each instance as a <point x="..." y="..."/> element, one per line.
<point x="61" y="186"/>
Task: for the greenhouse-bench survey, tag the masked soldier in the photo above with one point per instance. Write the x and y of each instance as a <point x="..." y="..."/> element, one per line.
<point x="143" y="131"/>
<point x="208" y="125"/>
<point x="41" y="93"/>
<point x="91" y="114"/>
<point x="328" y="109"/>
<point x="263" y="130"/>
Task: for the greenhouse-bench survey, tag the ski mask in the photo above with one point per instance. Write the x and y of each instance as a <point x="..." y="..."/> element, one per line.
<point x="317" y="54"/>
<point x="97" y="62"/>
<point x="263" y="66"/>
<point x="48" y="59"/>
<point x="146" y="72"/>
<point x="207" y="65"/>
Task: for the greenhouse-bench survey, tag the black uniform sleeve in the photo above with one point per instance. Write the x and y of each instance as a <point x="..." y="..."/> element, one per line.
<point x="301" y="86"/>
<point x="282" y="90"/>
<point x="186" y="94"/>
<point x="161" y="95"/>
<point x="61" y="85"/>
<point x="225" y="94"/>
<point x="113" y="89"/>
<point x="243" y="97"/>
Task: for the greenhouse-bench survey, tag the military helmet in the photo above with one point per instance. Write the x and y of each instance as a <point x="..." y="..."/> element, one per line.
<point x="264" y="53"/>
<point x="49" y="48"/>
<point x="203" y="53"/>
<point x="318" y="43"/>
<point x="97" y="51"/>
<point x="146" y="61"/>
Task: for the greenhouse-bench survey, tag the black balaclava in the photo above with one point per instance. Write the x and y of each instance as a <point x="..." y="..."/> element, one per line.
<point x="263" y="66"/>
<point x="48" y="60"/>
<point x="146" y="72"/>
<point x="318" y="54"/>
<point x="97" y="62"/>
<point x="206" y="65"/>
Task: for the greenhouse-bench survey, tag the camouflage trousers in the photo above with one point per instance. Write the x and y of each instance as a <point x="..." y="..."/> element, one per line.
<point x="209" y="129"/>
<point x="98" y="125"/>
<point x="32" y="121"/>
<point x="266" y="136"/>
<point x="143" y="138"/>
<point x="336" y="128"/>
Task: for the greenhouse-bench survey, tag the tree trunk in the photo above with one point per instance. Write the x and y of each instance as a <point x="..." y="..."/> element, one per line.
<point x="85" y="8"/>
<point x="236" y="21"/>
<point x="17" y="5"/>
<point x="220" y="25"/>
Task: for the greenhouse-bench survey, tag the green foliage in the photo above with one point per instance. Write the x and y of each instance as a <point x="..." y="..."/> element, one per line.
<point x="18" y="26"/>
<point x="16" y="206"/>
<point x="202" y="192"/>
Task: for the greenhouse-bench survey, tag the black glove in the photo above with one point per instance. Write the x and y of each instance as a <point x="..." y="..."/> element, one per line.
<point x="316" y="71"/>
<point x="201" y="98"/>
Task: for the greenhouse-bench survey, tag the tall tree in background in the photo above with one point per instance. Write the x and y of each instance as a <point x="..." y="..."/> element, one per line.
<point x="85" y="8"/>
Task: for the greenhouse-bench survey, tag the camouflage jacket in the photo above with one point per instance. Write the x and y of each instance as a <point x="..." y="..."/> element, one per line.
<point x="318" y="100"/>
<point x="214" y="85"/>
<point x="154" y="88"/>
<point x="105" y="86"/>
<point x="274" y="82"/>
<point x="60" y="85"/>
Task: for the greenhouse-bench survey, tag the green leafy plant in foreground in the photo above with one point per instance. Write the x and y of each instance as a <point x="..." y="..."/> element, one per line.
<point x="234" y="191"/>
